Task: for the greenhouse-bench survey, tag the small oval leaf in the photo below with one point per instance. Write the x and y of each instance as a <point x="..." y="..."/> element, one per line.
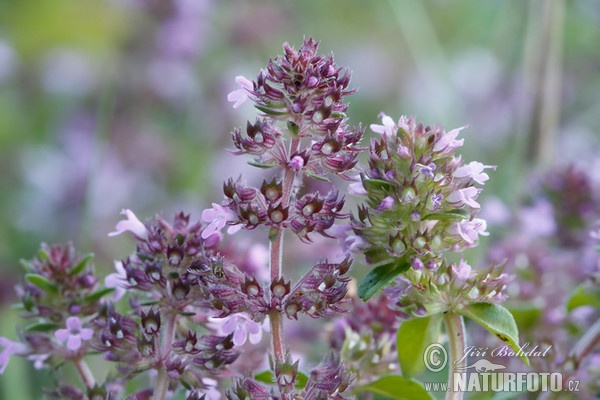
<point x="380" y="277"/>
<point x="81" y="264"/>
<point x="377" y="184"/>
<point x="497" y="320"/>
<point x="447" y="216"/>
<point x="97" y="295"/>
<point x="42" y="327"/>
<point x="412" y="340"/>
<point x="260" y="165"/>
<point x="41" y="282"/>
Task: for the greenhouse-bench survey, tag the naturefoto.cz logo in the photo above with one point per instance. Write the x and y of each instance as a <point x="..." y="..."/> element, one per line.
<point x="486" y="376"/>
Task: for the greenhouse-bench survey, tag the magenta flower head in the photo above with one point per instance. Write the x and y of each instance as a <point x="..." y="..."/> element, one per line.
<point x="10" y="348"/>
<point x="74" y="334"/>
<point x="132" y="224"/>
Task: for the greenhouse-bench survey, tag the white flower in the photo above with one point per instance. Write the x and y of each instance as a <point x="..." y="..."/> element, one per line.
<point x="447" y="143"/>
<point x="217" y="217"/>
<point x="469" y="231"/>
<point x="242" y="327"/>
<point x="464" y="196"/>
<point x="388" y="128"/>
<point x="132" y="224"/>
<point x="117" y="280"/>
<point x="239" y="96"/>
<point x="473" y="170"/>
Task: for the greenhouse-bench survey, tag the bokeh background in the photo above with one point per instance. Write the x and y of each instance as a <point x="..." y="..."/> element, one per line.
<point x="111" y="104"/>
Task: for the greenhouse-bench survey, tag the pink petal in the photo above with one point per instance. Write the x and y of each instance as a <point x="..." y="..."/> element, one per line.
<point x="74" y="342"/>
<point x="86" y="333"/>
<point x="239" y="335"/>
<point x="73" y="323"/>
<point x="62" y="335"/>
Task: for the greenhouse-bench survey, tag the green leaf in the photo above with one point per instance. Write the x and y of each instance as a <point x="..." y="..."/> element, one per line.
<point x="301" y="380"/>
<point x="397" y="387"/>
<point x="42" y="327"/>
<point x="378" y="184"/>
<point x="42" y="283"/>
<point x="97" y="295"/>
<point x="264" y="377"/>
<point x="81" y="264"/>
<point x="447" y="216"/>
<point x="261" y="165"/>
<point x="380" y="277"/>
<point x="412" y="339"/>
<point x="583" y="296"/>
<point x="293" y="128"/>
<point x="497" y="320"/>
<point x="269" y="111"/>
<point x="267" y="377"/>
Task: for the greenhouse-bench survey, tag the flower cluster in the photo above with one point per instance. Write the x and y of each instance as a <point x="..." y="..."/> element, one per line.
<point x="452" y="287"/>
<point x="421" y="203"/>
<point x="303" y="131"/>
<point x="365" y="338"/>
<point x="178" y="271"/>
<point x="421" y="199"/>
<point x="59" y="300"/>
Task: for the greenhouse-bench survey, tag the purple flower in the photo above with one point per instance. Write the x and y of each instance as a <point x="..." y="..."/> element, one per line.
<point x="10" y="348"/>
<point x="448" y="143"/>
<point x="132" y="224"/>
<point x="242" y="327"/>
<point x="469" y="230"/>
<point x="74" y="334"/>
<point x="117" y="280"/>
<point x="239" y="96"/>
<point x="464" y="196"/>
<point x="38" y="360"/>
<point x="388" y="128"/>
<point x="473" y="170"/>
<point x="427" y="169"/>
<point x="386" y="204"/>
<point x="296" y="163"/>
<point x="217" y="217"/>
<point x="461" y="273"/>
<point x="357" y="189"/>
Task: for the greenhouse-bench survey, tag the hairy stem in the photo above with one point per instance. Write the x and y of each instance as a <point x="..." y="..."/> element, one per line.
<point x="585" y="345"/>
<point x="276" y="250"/>
<point x="84" y="372"/>
<point x="275" y="265"/>
<point x="455" y="327"/>
<point x="162" y="381"/>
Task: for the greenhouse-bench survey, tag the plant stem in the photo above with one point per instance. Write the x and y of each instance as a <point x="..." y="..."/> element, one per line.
<point x="276" y="250"/>
<point x="455" y="327"/>
<point x="162" y="381"/>
<point x="275" y="265"/>
<point x="585" y="345"/>
<point x="84" y="372"/>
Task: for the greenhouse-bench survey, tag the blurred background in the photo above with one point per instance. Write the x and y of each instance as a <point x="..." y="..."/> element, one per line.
<point x="111" y="104"/>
